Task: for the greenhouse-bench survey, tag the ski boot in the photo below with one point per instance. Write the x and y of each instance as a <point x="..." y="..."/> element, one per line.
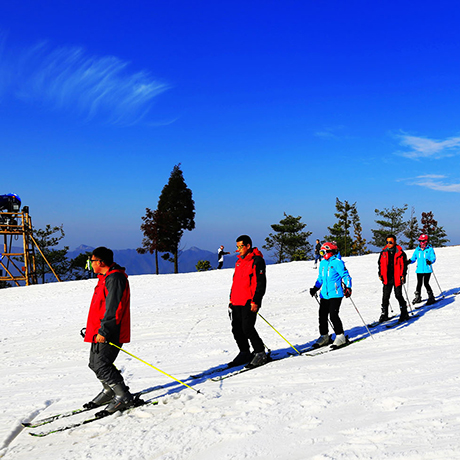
<point x="259" y="359"/>
<point x="431" y="300"/>
<point x="384" y="316"/>
<point x="417" y="298"/>
<point x="404" y="316"/>
<point x="243" y="357"/>
<point x="323" y="340"/>
<point x="340" y="341"/>
<point x="122" y="400"/>
<point x="104" y="397"/>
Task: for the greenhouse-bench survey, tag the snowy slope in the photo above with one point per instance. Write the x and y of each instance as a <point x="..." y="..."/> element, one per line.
<point x="393" y="396"/>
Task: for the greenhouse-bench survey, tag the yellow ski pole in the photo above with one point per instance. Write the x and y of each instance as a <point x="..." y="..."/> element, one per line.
<point x="156" y="368"/>
<point x="292" y="346"/>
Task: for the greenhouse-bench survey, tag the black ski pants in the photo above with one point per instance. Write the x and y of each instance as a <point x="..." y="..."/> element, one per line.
<point x="387" y="288"/>
<point x="101" y="359"/>
<point x="243" y="328"/>
<point x="329" y="308"/>
<point x="424" y="278"/>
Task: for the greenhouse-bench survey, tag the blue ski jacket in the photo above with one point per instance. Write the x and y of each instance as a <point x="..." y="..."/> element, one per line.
<point x="421" y="256"/>
<point x="331" y="274"/>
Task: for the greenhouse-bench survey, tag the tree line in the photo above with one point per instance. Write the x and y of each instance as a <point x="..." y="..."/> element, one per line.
<point x="164" y="227"/>
<point x="289" y="240"/>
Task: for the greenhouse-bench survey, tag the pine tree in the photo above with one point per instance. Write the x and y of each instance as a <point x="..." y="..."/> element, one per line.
<point x="358" y="247"/>
<point x="412" y="231"/>
<point x="431" y="228"/>
<point x="289" y="242"/>
<point x="392" y="223"/>
<point x="340" y="231"/>
<point x="46" y="239"/>
<point x="155" y="224"/>
<point x="177" y="204"/>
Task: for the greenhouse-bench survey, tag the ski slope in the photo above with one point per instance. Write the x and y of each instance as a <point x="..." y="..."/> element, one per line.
<point x="393" y="396"/>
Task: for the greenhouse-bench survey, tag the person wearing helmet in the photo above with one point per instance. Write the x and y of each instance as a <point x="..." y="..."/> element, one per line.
<point x="334" y="281"/>
<point x="392" y="273"/>
<point x="425" y="257"/>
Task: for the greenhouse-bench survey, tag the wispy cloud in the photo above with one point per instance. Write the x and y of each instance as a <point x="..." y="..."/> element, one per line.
<point x="435" y="182"/>
<point x="422" y="147"/>
<point x="69" y="79"/>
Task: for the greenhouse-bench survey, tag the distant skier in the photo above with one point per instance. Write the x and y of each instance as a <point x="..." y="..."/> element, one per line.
<point x="220" y="257"/>
<point x="317" y="254"/>
<point x="248" y="289"/>
<point x="392" y="272"/>
<point x="334" y="281"/>
<point x="425" y="257"/>
<point x="108" y="321"/>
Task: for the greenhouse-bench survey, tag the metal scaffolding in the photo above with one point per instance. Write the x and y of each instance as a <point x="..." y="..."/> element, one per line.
<point x="19" y="266"/>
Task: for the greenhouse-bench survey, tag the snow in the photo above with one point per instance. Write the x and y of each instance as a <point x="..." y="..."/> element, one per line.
<point x="393" y="396"/>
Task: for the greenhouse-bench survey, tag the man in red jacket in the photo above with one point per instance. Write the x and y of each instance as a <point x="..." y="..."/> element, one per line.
<point x="392" y="273"/>
<point x="108" y="321"/>
<point x="248" y="289"/>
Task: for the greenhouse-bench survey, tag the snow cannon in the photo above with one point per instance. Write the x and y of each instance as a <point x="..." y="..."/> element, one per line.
<point x="10" y="203"/>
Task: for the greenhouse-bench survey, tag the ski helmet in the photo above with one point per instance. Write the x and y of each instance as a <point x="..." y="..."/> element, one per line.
<point x="328" y="250"/>
<point x="423" y="237"/>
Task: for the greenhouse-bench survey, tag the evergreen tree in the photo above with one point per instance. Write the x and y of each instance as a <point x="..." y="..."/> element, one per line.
<point x="412" y="231"/>
<point x="155" y="224"/>
<point x="392" y="222"/>
<point x="289" y="242"/>
<point x="431" y="228"/>
<point x="177" y="204"/>
<point x="358" y="247"/>
<point x="57" y="258"/>
<point x="340" y="231"/>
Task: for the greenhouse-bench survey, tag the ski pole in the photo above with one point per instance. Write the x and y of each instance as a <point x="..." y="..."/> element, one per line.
<point x="437" y="281"/>
<point x="292" y="346"/>
<point x="156" y="368"/>
<point x="329" y="319"/>
<point x="361" y="318"/>
<point x="407" y="298"/>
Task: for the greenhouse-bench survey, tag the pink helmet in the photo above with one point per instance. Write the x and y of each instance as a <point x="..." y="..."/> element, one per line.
<point x="423" y="237"/>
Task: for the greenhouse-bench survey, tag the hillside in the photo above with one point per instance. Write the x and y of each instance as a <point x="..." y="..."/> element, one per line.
<point x="391" y="396"/>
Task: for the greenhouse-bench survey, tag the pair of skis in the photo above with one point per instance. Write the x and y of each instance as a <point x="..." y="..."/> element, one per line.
<point x="97" y="416"/>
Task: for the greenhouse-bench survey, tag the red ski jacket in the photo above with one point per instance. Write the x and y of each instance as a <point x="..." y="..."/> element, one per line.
<point x="109" y="313"/>
<point x="400" y="265"/>
<point x="249" y="279"/>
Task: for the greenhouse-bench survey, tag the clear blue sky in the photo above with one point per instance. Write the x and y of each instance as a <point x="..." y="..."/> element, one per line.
<point x="269" y="106"/>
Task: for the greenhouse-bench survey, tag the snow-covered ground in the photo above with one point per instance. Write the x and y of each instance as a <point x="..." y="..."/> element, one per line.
<point x="394" y="396"/>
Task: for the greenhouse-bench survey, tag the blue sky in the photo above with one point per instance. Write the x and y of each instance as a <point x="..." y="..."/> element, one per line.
<point x="269" y="106"/>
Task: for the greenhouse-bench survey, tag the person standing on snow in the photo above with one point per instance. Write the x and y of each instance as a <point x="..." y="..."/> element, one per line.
<point x="317" y="254"/>
<point x="220" y="257"/>
<point x="334" y="281"/>
<point x="248" y="289"/>
<point x="425" y="257"/>
<point x="108" y="321"/>
<point x="392" y="272"/>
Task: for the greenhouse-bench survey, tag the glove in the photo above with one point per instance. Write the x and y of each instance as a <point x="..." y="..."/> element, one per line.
<point x="347" y="292"/>
<point x="314" y="290"/>
<point x="428" y="262"/>
<point x="83" y="332"/>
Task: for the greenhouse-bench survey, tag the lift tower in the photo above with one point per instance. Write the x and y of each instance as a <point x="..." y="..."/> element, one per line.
<point x="17" y="225"/>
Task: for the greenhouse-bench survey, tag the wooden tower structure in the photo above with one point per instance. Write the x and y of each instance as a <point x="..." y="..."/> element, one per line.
<point x="16" y="266"/>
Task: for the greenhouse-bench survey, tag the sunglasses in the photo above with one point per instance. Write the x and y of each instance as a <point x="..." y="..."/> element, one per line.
<point x="390" y="242"/>
<point x="239" y="246"/>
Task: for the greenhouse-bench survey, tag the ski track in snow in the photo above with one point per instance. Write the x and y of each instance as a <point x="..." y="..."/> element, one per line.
<point x="393" y="396"/>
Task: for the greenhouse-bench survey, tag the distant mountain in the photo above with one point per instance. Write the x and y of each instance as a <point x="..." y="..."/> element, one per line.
<point x="142" y="264"/>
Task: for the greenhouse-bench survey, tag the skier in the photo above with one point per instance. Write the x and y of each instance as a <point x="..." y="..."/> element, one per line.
<point x="425" y="257"/>
<point x="248" y="289"/>
<point x="392" y="272"/>
<point x="108" y="321"/>
<point x="335" y="283"/>
<point x="317" y="254"/>
<point x="220" y="257"/>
